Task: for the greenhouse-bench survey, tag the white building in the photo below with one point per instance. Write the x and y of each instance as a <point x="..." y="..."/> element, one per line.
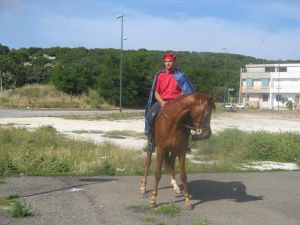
<point x="270" y="86"/>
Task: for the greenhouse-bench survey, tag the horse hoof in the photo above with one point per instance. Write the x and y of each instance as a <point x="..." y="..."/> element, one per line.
<point x="177" y="190"/>
<point x="142" y="190"/>
<point x="152" y="204"/>
<point x="188" y="205"/>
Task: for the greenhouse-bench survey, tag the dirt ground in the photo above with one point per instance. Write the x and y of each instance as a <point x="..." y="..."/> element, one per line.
<point x="95" y="130"/>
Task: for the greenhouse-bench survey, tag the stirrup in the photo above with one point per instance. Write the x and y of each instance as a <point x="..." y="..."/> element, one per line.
<point x="149" y="148"/>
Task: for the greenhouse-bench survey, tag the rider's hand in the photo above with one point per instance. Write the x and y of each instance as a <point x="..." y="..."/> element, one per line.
<point x="162" y="104"/>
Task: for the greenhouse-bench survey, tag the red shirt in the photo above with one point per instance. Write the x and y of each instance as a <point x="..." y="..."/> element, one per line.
<point x="167" y="86"/>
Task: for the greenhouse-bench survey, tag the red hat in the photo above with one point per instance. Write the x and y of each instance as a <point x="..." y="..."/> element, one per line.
<point x="169" y="56"/>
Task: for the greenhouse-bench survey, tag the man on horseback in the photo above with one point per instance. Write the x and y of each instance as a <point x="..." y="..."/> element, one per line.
<point x="168" y="84"/>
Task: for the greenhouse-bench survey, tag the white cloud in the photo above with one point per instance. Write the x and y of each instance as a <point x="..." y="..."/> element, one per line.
<point x="46" y="29"/>
<point x="210" y="34"/>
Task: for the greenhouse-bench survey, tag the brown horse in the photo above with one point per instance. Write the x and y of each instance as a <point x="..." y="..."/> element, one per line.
<point x="172" y="130"/>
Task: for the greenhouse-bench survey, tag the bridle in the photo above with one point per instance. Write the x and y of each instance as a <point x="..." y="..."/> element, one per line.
<point x="197" y="129"/>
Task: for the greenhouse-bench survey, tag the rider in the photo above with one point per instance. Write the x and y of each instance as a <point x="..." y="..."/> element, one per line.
<point x="168" y="84"/>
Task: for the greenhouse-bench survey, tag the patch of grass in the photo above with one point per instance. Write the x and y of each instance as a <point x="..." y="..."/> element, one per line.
<point x="15" y="208"/>
<point x="233" y="146"/>
<point x="149" y="219"/>
<point x="122" y="134"/>
<point x="161" y="223"/>
<point x="18" y="210"/>
<point x="139" y="208"/>
<point x="168" y="209"/>
<point x="5" y="201"/>
<point x="47" y="96"/>
<point x="47" y="152"/>
<point x="205" y="222"/>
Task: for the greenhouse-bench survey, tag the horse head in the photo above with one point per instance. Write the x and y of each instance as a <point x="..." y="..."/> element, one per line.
<point x="200" y="115"/>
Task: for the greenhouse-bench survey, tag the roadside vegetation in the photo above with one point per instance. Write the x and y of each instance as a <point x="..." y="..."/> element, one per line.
<point x="47" y="152"/>
<point x="232" y="147"/>
<point x="47" y="96"/>
<point x="15" y="207"/>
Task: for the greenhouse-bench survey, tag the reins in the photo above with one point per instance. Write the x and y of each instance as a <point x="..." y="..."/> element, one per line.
<point x="182" y="124"/>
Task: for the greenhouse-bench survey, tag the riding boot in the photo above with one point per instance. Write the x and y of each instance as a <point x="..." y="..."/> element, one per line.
<point x="149" y="147"/>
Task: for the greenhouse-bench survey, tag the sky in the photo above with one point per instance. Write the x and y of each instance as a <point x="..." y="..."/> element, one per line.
<point x="266" y="29"/>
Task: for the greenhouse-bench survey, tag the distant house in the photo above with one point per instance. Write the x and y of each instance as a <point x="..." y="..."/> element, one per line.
<point x="49" y="57"/>
<point x="270" y="86"/>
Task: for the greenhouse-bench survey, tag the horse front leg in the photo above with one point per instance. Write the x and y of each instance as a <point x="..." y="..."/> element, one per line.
<point x="188" y="203"/>
<point x="160" y="157"/>
<point x="170" y="164"/>
<point x="147" y="166"/>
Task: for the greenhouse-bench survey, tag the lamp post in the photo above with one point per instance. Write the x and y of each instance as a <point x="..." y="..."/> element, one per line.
<point x="225" y="75"/>
<point x="121" y="60"/>
<point x="229" y="90"/>
<point x="278" y="98"/>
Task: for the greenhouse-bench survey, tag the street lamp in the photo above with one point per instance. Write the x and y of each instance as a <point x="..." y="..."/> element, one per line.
<point x="225" y="76"/>
<point x="121" y="61"/>
<point x="278" y="87"/>
<point x="229" y="90"/>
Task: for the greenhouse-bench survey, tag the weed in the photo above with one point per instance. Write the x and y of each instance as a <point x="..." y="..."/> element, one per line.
<point x="161" y="223"/>
<point x="18" y="210"/>
<point x="205" y="222"/>
<point x="15" y="208"/>
<point x="168" y="209"/>
<point x="149" y="219"/>
<point x="109" y="169"/>
<point x="47" y="152"/>
<point x="47" y="96"/>
<point x="8" y="200"/>
<point x="142" y="207"/>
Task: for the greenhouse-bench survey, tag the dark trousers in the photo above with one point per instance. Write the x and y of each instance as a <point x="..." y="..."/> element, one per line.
<point x="150" y="116"/>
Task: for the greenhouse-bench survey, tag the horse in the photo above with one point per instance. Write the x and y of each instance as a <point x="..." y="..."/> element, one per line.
<point x="179" y="118"/>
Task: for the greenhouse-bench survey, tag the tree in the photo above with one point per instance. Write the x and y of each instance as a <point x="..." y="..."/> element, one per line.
<point x="69" y="80"/>
<point x="3" y="49"/>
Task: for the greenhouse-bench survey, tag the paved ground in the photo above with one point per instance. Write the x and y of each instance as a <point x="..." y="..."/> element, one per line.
<point x="22" y="113"/>
<point x="221" y="198"/>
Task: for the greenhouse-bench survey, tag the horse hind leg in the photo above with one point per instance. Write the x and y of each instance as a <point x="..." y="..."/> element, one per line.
<point x="144" y="180"/>
<point x="170" y="163"/>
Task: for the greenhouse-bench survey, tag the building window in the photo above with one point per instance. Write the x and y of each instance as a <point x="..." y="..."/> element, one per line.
<point x="264" y="82"/>
<point x="270" y="69"/>
<point x="265" y="97"/>
<point x="249" y="83"/>
<point x="278" y="98"/>
<point x="282" y="69"/>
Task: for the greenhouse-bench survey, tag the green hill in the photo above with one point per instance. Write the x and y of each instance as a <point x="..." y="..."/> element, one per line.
<point x="78" y="70"/>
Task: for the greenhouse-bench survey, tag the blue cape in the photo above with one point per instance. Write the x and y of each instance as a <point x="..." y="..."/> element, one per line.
<point x="182" y="80"/>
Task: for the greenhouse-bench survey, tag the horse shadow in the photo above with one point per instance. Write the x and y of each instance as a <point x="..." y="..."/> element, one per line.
<point x="207" y="190"/>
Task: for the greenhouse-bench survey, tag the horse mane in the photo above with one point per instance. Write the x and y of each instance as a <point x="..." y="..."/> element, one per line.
<point x="199" y="97"/>
<point x="210" y="100"/>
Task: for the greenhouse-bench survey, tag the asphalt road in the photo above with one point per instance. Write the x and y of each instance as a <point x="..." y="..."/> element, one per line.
<point x="21" y="113"/>
<point x="220" y="198"/>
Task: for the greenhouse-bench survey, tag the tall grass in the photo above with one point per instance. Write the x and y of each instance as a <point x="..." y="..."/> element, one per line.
<point x="234" y="146"/>
<point x="46" y="152"/>
<point x="47" y="96"/>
